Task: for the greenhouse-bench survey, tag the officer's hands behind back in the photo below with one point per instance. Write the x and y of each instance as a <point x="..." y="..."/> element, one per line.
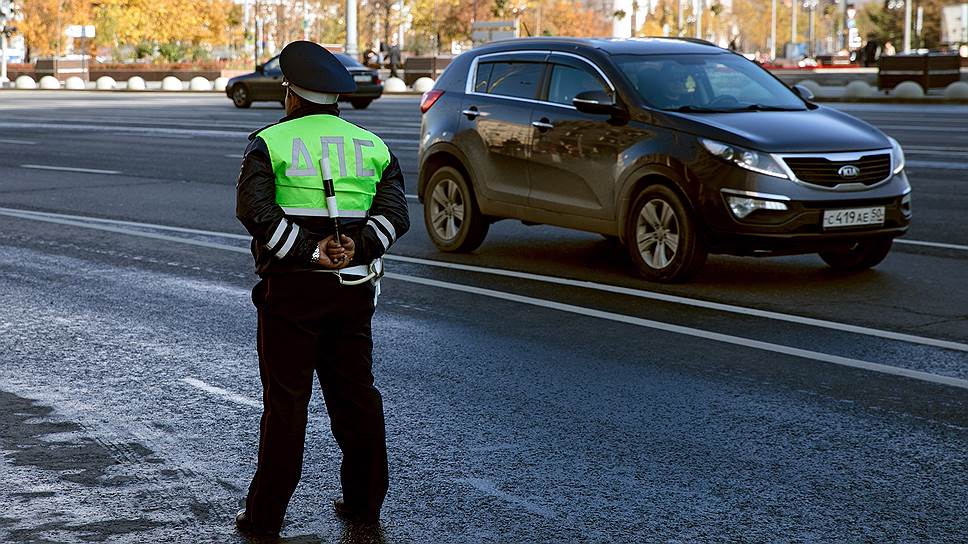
<point x="335" y="255"/>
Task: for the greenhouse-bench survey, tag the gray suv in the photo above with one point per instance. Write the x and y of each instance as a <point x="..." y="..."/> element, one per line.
<point x="675" y="147"/>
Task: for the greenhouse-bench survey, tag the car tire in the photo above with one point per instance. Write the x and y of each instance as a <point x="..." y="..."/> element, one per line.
<point x="663" y="237"/>
<point x="859" y="255"/>
<point x="451" y="215"/>
<point x="241" y="96"/>
<point x="361" y="103"/>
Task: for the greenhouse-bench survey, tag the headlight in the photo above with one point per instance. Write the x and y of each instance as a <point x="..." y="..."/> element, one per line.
<point x="754" y="161"/>
<point x="897" y="155"/>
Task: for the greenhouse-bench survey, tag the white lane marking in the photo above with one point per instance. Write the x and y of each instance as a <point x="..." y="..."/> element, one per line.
<point x="489" y="488"/>
<point x="89" y="222"/>
<point x="119" y="230"/>
<point x="697" y="303"/>
<point x="934" y="148"/>
<point x="234" y="156"/>
<point x="936" y="165"/>
<point x="930" y="244"/>
<point x="17" y="142"/>
<point x="15" y="211"/>
<point x="124" y="129"/>
<point x="224" y="393"/>
<point x="413" y="197"/>
<point x="689" y="331"/>
<point x="70" y="169"/>
<point x="921" y="128"/>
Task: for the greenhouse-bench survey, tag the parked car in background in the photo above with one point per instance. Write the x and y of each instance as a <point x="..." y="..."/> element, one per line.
<point x="265" y="84"/>
<point x="675" y="147"/>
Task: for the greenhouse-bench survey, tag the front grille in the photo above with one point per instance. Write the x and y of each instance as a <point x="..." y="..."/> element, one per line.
<point x="873" y="169"/>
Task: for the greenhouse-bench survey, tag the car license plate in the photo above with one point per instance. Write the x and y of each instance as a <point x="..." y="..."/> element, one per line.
<point x="852" y="217"/>
<point x="362" y="78"/>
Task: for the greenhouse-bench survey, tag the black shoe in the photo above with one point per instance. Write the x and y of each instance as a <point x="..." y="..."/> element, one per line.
<point x="349" y="514"/>
<point x="251" y="530"/>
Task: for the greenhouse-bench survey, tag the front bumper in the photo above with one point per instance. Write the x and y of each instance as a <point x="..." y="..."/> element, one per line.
<point x="799" y="228"/>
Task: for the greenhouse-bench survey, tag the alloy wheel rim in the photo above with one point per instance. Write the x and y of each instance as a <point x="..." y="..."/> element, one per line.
<point x="447" y="209"/>
<point x="239" y="95"/>
<point x="657" y="234"/>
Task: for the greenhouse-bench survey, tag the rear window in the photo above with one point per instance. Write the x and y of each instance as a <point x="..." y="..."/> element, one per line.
<point x="347" y="60"/>
<point x="514" y="79"/>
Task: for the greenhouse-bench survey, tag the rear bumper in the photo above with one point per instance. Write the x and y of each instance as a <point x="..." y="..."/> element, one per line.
<point x="364" y="91"/>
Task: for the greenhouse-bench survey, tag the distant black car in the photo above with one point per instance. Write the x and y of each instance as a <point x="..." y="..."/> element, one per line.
<point x="675" y="147"/>
<point x="265" y="84"/>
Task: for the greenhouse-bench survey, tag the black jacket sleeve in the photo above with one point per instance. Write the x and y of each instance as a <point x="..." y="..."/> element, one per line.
<point x="389" y="217"/>
<point x="256" y="208"/>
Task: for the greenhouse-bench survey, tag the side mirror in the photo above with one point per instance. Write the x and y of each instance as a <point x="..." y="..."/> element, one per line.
<point x="260" y="68"/>
<point x="804" y="92"/>
<point x="597" y="102"/>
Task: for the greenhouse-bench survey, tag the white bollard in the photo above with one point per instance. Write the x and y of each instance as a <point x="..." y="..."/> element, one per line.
<point x="136" y="83"/>
<point x="858" y="89"/>
<point x="171" y="83"/>
<point x="908" y="89"/>
<point x="957" y="90"/>
<point x="199" y="83"/>
<point x="394" y="85"/>
<point x="423" y="84"/>
<point x="221" y="83"/>
<point x="25" y="82"/>
<point x="105" y="83"/>
<point x="49" y="82"/>
<point x="812" y="85"/>
<point x="75" y="83"/>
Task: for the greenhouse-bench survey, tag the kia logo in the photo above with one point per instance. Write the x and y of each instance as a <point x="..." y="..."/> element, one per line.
<point x="849" y="171"/>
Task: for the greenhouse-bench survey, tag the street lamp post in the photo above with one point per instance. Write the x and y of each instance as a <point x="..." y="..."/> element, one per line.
<point x="350" y="46"/>
<point x="907" y="26"/>
<point x="698" y="6"/>
<point x="773" y="30"/>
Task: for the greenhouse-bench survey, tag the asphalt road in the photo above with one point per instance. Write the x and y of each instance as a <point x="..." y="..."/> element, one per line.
<point x="769" y="400"/>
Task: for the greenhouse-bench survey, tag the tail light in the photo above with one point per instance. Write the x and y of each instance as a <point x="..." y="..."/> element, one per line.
<point x="429" y="99"/>
<point x="376" y="79"/>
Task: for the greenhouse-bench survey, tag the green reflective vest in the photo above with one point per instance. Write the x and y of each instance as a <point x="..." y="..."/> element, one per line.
<point x="357" y="158"/>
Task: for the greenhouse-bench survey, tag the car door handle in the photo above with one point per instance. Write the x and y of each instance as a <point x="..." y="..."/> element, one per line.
<point x="542" y="125"/>
<point x="472" y="113"/>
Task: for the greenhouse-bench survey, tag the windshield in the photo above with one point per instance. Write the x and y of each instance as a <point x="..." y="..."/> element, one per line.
<point x="347" y="60"/>
<point x="705" y="83"/>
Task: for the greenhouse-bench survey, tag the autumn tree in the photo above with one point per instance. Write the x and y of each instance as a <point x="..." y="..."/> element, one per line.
<point x="44" y="23"/>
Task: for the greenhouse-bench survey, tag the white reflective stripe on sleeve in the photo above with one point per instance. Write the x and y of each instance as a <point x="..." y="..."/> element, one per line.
<point x="277" y="235"/>
<point x="320" y="212"/>
<point x="379" y="234"/>
<point x="284" y="250"/>
<point x="388" y="226"/>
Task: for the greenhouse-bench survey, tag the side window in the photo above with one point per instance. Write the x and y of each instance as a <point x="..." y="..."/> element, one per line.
<point x="566" y="82"/>
<point x="516" y="79"/>
<point x="272" y="66"/>
<point x="483" y="78"/>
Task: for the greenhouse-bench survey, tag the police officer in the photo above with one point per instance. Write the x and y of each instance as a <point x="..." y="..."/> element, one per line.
<point x="317" y="293"/>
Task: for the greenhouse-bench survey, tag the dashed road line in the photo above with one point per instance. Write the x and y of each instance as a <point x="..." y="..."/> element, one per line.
<point x="17" y="142"/>
<point x="70" y="169"/>
<point x="223" y="393"/>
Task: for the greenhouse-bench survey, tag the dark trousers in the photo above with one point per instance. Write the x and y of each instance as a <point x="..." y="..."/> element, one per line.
<point x="309" y="323"/>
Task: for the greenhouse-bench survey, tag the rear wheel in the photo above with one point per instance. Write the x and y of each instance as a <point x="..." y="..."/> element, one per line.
<point x="240" y="96"/>
<point x="858" y="255"/>
<point x="662" y="237"/>
<point x="450" y="212"/>
<point x="361" y="103"/>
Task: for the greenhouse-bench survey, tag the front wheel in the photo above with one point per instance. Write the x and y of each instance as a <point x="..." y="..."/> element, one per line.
<point x="450" y="212"/>
<point x="361" y="103"/>
<point x="240" y="96"/>
<point x="858" y="255"/>
<point x="662" y="237"/>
